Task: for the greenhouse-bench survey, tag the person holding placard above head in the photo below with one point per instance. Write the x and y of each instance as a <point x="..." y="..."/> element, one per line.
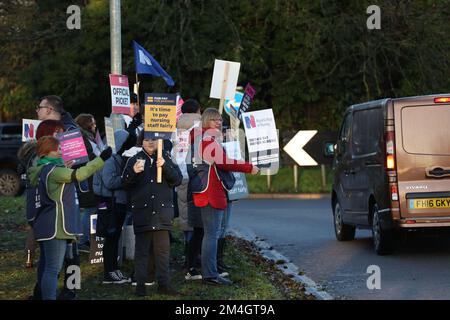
<point x="153" y="212"/>
<point x="209" y="178"/>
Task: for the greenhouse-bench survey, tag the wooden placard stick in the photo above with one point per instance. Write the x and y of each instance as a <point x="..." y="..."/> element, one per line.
<point x="159" y="155"/>
<point x="137" y="92"/>
<point x="224" y="87"/>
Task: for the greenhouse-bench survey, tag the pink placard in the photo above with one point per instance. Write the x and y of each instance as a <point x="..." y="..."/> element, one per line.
<point x="72" y="146"/>
<point x="179" y="105"/>
<point x="120" y="94"/>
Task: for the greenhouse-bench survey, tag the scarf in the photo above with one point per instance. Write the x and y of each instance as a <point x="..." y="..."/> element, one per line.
<point x="56" y="161"/>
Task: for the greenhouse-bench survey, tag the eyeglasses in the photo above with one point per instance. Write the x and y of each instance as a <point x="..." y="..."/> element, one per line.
<point x="41" y="107"/>
<point x="220" y="120"/>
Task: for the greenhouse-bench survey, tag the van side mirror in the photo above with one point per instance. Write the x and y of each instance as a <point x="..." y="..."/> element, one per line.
<point x="329" y="149"/>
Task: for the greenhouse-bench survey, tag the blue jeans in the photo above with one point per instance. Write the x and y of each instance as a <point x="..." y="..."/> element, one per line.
<point x="54" y="251"/>
<point x="226" y="220"/>
<point x="187" y="236"/>
<point x="212" y="221"/>
<point x="86" y="223"/>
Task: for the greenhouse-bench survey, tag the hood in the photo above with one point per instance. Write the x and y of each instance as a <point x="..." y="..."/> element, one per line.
<point x="33" y="175"/>
<point x="187" y="120"/>
<point x="132" y="152"/>
<point x="27" y="150"/>
<point x="120" y="136"/>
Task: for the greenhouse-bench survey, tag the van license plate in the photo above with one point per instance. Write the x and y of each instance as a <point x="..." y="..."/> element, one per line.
<point x="433" y="203"/>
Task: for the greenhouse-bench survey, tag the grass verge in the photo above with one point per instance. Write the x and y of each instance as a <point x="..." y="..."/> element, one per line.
<point x="309" y="181"/>
<point x="254" y="278"/>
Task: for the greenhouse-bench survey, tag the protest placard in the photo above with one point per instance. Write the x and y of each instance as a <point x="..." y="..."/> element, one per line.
<point x="262" y="137"/>
<point x="232" y="106"/>
<point x="117" y="121"/>
<point x="109" y="131"/>
<point x="160" y="119"/>
<point x="246" y="100"/>
<point x="240" y="188"/>
<point x="96" y="243"/>
<point x="72" y="147"/>
<point x="120" y="94"/>
<point x="180" y="102"/>
<point x="29" y="128"/>
<point x="224" y="81"/>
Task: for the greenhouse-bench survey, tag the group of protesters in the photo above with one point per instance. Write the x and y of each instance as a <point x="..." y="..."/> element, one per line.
<point x="121" y="186"/>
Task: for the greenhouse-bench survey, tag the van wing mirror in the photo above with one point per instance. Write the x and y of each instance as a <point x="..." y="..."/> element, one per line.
<point x="329" y="149"/>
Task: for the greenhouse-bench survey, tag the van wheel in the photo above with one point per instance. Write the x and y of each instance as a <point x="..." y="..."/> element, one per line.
<point x="383" y="239"/>
<point x="9" y="182"/>
<point x="344" y="232"/>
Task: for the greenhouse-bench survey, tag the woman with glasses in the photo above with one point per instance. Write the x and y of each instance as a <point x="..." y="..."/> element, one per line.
<point x="209" y="178"/>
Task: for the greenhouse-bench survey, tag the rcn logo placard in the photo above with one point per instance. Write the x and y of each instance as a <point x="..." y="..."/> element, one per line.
<point x="250" y="122"/>
<point x="29" y="128"/>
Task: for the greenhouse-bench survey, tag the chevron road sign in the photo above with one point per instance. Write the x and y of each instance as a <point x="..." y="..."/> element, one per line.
<point x="294" y="148"/>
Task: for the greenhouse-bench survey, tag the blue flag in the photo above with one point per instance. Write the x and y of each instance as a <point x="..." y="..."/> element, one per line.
<point x="145" y="63"/>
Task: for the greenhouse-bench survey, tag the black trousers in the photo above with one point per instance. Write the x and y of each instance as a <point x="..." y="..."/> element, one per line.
<point x="111" y="244"/>
<point x="152" y="257"/>
<point x="194" y="247"/>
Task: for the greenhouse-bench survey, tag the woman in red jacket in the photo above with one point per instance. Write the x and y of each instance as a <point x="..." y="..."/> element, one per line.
<point x="208" y="180"/>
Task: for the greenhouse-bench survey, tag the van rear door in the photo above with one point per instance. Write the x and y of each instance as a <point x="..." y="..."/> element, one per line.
<point x="422" y="138"/>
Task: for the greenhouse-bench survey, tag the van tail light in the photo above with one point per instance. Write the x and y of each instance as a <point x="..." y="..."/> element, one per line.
<point x="390" y="150"/>
<point x="394" y="192"/>
<point x="442" y="100"/>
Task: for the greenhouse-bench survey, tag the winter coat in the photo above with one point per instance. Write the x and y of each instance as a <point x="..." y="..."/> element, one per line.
<point x="27" y="158"/>
<point x="85" y="189"/>
<point x="56" y="213"/>
<point x="209" y="177"/>
<point x="108" y="181"/>
<point x="151" y="202"/>
<point x="184" y="123"/>
<point x="68" y="121"/>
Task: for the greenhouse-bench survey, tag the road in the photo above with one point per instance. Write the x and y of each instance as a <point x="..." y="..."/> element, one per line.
<point x="302" y="230"/>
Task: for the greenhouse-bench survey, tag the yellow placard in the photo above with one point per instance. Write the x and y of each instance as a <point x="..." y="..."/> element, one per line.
<point x="160" y="114"/>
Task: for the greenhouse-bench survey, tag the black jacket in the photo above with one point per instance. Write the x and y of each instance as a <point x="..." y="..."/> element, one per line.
<point x="151" y="202"/>
<point x="85" y="189"/>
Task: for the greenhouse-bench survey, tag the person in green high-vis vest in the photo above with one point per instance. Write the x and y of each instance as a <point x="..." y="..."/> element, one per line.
<point x="53" y="208"/>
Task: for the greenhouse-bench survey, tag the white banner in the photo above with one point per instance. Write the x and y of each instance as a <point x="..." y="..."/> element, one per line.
<point x="29" y="128"/>
<point x="260" y="130"/>
<point x="219" y="76"/>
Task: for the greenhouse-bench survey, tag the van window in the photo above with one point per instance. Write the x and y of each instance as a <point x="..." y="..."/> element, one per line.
<point x="367" y="130"/>
<point x="11" y="132"/>
<point x="426" y="129"/>
<point x="344" y="134"/>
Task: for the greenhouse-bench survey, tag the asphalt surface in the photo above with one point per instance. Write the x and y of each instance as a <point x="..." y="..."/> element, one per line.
<point x="302" y="230"/>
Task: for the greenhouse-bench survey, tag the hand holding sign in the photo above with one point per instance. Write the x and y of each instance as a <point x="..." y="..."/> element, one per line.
<point x="160" y="120"/>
